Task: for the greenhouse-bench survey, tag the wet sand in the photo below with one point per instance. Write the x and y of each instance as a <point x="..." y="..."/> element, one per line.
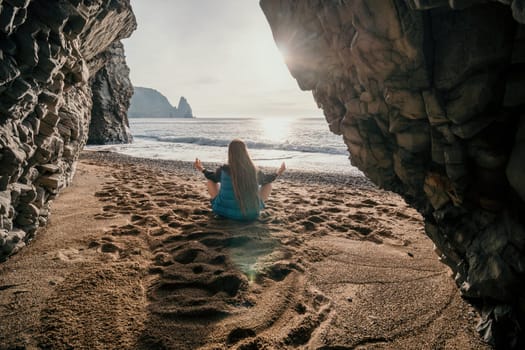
<point x="133" y="258"/>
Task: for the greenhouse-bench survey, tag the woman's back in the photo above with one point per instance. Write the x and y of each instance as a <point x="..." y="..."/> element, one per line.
<point x="242" y="188"/>
<point x="226" y="203"/>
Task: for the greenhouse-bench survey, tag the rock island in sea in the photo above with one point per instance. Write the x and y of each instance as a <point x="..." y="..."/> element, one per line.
<point x="147" y="102"/>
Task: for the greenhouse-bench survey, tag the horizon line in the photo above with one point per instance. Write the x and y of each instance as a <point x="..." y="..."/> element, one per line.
<point x="235" y="117"/>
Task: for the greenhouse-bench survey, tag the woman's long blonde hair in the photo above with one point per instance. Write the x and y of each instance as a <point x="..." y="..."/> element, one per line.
<point x="244" y="176"/>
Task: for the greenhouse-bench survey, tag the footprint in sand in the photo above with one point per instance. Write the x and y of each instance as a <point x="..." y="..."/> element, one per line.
<point x="187" y="255"/>
<point x="317" y="219"/>
<point x="127" y="230"/>
<point x="109" y="248"/>
<point x="105" y="216"/>
<point x="313" y="315"/>
<point x="149" y="221"/>
<point x="106" y="246"/>
<point x="70" y="255"/>
<point x="162" y="259"/>
<point x="361" y="229"/>
<point x="359" y="217"/>
<point x="239" y="334"/>
<point x="279" y="270"/>
<point x="157" y="231"/>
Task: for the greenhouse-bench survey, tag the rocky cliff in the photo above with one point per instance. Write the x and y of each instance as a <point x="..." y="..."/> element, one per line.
<point x="147" y="102"/>
<point x="430" y="99"/>
<point x="49" y="50"/>
<point x="112" y="91"/>
<point x="183" y="109"/>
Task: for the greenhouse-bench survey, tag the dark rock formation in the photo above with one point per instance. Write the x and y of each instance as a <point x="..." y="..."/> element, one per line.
<point x="49" y="49"/>
<point x="151" y="103"/>
<point x="430" y="99"/>
<point x="112" y="91"/>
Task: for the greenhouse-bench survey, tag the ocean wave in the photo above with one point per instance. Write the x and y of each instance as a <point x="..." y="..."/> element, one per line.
<point x="204" y="141"/>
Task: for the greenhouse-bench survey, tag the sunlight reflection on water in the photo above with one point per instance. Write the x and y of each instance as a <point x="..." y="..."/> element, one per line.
<point x="275" y="130"/>
<point x="304" y="143"/>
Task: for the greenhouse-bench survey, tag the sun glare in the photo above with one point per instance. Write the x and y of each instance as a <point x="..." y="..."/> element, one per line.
<point x="268" y="62"/>
<point x="276" y="130"/>
<point x="285" y="53"/>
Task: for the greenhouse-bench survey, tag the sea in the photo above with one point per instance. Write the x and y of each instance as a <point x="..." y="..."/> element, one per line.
<point x="303" y="143"/>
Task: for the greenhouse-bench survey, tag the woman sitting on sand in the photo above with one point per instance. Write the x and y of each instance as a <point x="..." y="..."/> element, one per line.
<point x="238" y="189"/>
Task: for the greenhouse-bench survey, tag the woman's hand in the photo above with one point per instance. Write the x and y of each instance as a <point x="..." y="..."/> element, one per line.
<point x="198" y="165"/>
<point x="281" y="169"/>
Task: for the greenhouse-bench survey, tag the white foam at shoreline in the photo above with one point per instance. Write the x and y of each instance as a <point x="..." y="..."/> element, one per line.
<point x="304" y="144"/>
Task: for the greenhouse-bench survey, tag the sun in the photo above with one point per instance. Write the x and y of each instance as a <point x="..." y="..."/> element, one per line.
<point x="275" y="130"/>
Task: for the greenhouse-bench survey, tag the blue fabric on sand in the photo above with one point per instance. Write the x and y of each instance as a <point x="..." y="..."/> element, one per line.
<point x="225" y="204"/>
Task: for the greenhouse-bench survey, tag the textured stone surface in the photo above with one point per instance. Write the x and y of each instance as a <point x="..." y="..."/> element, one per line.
<point x="112" y="91"/>
<point x="428" y="96"/>
<point x="147" y="102"/>
<point x="49" y="49"/>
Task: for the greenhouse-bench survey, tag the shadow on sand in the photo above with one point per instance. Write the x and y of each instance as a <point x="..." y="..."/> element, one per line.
<point x="204" y="275"/>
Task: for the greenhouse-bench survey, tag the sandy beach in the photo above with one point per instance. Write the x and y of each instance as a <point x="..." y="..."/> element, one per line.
<point x="133" y="258"/>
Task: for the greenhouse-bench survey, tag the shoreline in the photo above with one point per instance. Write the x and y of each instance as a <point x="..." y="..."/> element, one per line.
<point x="133" y="258"/>
<point x="305" y="145"/>
<point x="312" y="176"/>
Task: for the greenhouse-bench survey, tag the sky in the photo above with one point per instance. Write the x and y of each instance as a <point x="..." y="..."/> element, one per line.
<point x="219" y="54"/>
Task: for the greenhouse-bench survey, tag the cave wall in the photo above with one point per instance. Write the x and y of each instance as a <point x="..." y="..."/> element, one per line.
<point x="429" y="97"/>
<point x="112" y="91"/>
<point x="49" y="50"/>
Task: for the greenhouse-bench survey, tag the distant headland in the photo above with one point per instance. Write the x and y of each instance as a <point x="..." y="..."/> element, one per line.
<point x="150" y="103"/>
